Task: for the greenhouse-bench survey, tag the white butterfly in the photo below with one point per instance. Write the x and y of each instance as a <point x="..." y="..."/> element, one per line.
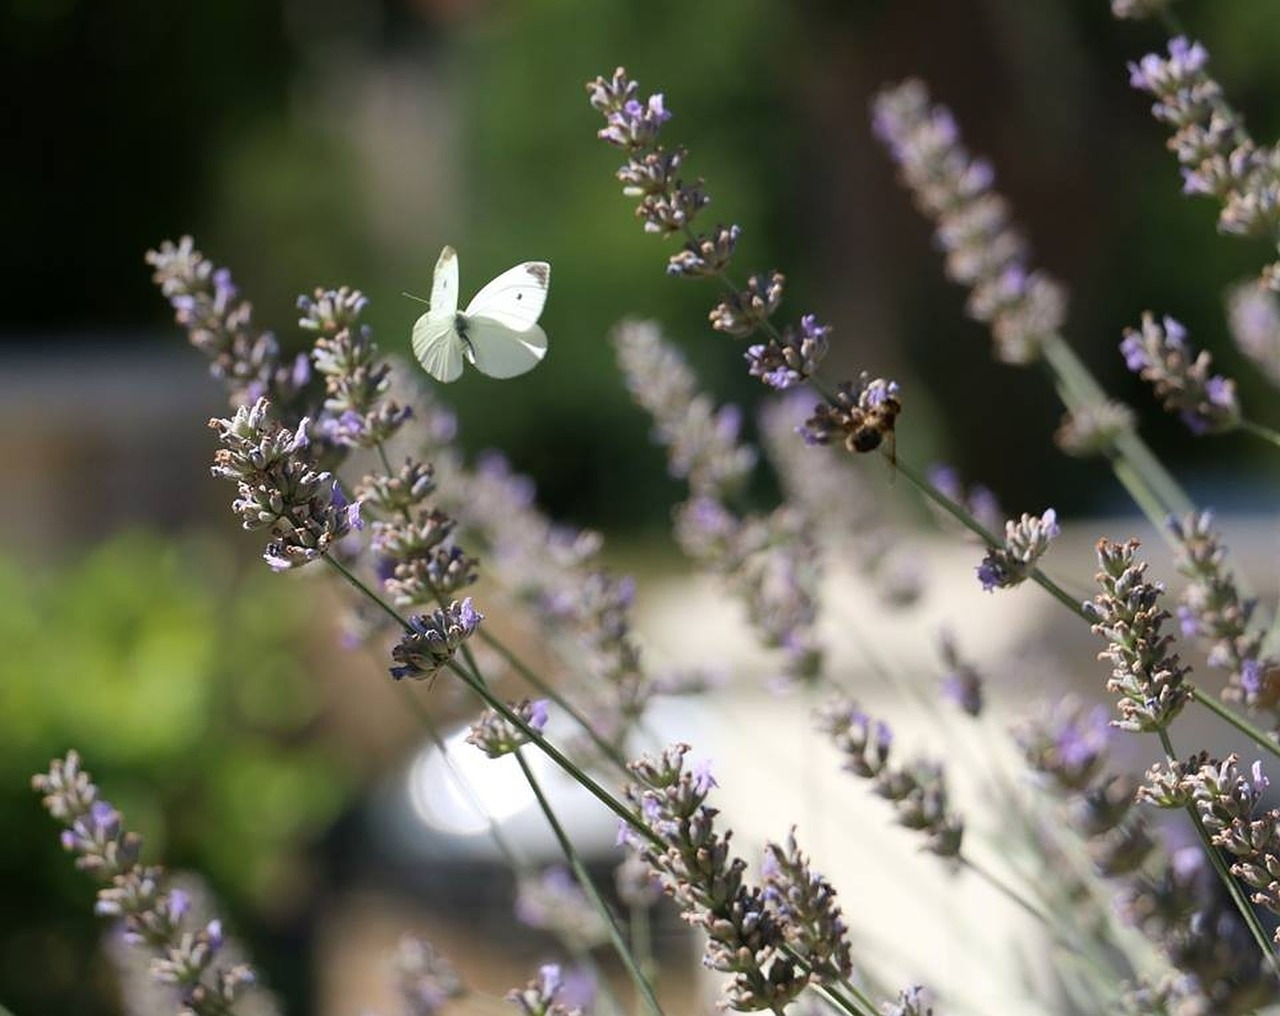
<point x="498" y="332"/>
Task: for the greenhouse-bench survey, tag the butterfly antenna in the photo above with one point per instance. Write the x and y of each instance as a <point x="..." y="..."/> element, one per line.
<point x="412" y="297"/>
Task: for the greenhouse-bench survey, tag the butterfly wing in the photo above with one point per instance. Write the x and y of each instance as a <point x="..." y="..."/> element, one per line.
<point x="436" y="342"/>
<point x="503" y="352"/>
<point x="444" y="284"/>
<point x="438" y="346"/>
<point x="515" y="298"/>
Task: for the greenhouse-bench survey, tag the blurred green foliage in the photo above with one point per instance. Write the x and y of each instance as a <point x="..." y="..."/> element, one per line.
<point x="184" y="686"/>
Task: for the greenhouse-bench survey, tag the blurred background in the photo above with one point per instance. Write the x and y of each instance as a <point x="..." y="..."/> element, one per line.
<point x="315" y="143"/>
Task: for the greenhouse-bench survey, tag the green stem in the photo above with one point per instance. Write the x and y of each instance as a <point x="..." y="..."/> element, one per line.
<point x="859" y="1005"/>
<point x="610" y="751"/>
<point x="558" y="757"/>
<point x="1258" y="430"/>
<point x="550" y="750"/>
<point x="1008" y="892"/>
<point x="382" y="604"/>
<point x="1224" y="875"/>
<point x="642" y="941"/>
<point x="1150" y="484"/>
<point x="1254" y="733"/>
<point x="588" y="886"/>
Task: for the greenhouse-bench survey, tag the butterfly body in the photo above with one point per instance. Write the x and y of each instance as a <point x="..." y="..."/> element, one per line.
<point x="497" y="333"/>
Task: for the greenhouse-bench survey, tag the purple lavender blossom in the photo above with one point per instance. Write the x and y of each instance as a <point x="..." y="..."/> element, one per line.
<point x="280" y="488"/>
<point x="496" y="736"/>
<point x="1146" y="673"/>
<point x="983" y="250"/>
<point x="219" y="324"/>
<point x="911" y="1002"/>
<point x="540" y="997"/>
<point x="1218" y="158"/>
<point x="769" y="561"/>
<point x="746" y="937"/>
<point x="357" y="410"/>
<point x="155" y="917"/>
<point x="1025" y="542"/>
<point x="977" y="500"/>
<point x="1093" y="429"/>
<point x="1159" y="353"/>
<point x="805" y="902"/>
<point x="425" y="980"/>
<point x="918" y="790"/>
<point x="669" y="206"/>
<point x="962" y="684"/>
<point x="553" y="901"/>
<point x="1212" y="609"/>
<point x="791" y="358"/>
<point x="433" y="639"/>
<point x="1067" y="744"/>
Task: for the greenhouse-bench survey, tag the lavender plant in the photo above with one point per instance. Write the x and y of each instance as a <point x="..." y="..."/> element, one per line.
<point x="432" y="549"/>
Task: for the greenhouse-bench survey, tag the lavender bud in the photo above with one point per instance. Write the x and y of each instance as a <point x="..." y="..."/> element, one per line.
<point x="1146" y="674"/>
<point x="742" y="313"/>
<point x="1161" y="355"/>
<point x="793" y="357"/>
<point x="983" y="250"/>
<point x="962" y="684"/>
<point x="496" y="736"/>
<point x="1025" y="542"/>
<point x="539" y="996"/>
<point x="1093" y="429"/>
<point x="280" y="487"/>
<point x="705" y="255"/>
<point x="433" y="640"/>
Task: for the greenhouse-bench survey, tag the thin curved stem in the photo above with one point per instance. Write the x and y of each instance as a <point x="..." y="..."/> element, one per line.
<point x="620" y="947"/>
<point x="1224" y="875"/>
<point x="610" y="751"/>
<point x="1260" y="431"/>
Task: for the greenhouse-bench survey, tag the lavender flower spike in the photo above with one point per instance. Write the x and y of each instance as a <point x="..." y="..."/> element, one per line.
<point x="496" y="736"/>
<point x="806" y="903"/>
<point x="539" y="996"/>
<point x="918" y="790"/>
<point x="1160" y="353"/>
<point x="155" y="917"/>
<point x="280" y="487"/>
<point x="1218" y="157"/>
<point x="746" y="937"/>
<point x="1147" y="675"/>
<point x="669" y="206"/>
<point x="1253" y="314"/>
<point x="1093" y="429"/>
<point x="219" y="323"/>
<point x="425" y="980"/>
<point x="1025" y="542"/>
<point x="1211" y="608"/>
<point x="422" y="652"/>
<point x="983" y="250"/>
<point x="358" y="413"/>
